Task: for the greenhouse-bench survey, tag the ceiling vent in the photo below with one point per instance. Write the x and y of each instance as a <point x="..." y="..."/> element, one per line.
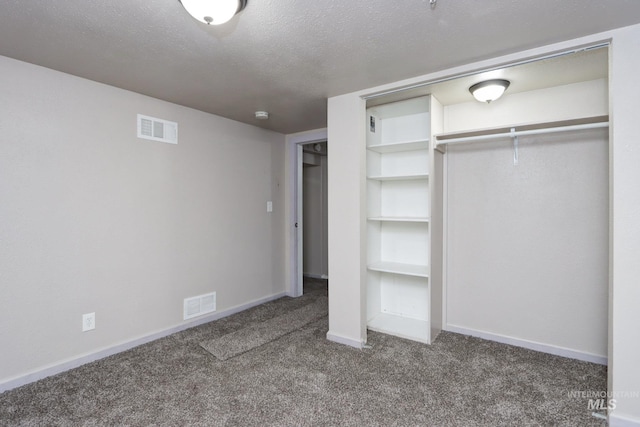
<point x="157" y="129"/>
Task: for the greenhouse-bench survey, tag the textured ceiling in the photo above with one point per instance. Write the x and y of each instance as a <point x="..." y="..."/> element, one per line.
<point x="285" y="56"/>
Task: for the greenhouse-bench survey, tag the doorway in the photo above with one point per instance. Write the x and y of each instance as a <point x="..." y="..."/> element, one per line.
<point x="311" y="216"/>
<point x="314" y="211"/>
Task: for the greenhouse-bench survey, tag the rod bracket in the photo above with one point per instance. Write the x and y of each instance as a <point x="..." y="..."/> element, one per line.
<point x="515" y="146"/>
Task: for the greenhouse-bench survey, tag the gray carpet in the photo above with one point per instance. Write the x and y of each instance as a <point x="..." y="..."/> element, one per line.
<point x="301" y="379"/>
<point x="255" y="335"/>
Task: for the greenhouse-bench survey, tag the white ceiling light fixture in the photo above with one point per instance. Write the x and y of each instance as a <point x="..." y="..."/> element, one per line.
<point x="262" y="115"/>
<point x="213" y="12"/>
<point x="489" y="90"/>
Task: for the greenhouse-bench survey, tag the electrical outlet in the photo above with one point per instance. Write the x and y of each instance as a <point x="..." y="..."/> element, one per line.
<point x="88" y="322"/>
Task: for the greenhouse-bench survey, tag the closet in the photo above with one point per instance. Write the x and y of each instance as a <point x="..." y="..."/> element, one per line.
<point x="404" y="221"/>
<point x="504" y="236"/>
<point x="528" y="236"/>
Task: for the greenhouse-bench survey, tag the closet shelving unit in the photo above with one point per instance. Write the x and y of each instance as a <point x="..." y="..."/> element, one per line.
<point x="399" y="221"/>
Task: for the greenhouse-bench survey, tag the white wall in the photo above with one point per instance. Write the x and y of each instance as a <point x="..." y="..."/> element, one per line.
<point x="347" y="295"/>
<point x="347" y="220"/>
<point x="577" y="100"/>
<point x="97" y="220"/>
<point x="314" y="178"/>
<point x="624" y="349"/>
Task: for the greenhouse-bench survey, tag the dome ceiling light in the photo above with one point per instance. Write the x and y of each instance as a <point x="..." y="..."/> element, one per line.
<point x="213" y="12"/>
<point x="489" y="90"/>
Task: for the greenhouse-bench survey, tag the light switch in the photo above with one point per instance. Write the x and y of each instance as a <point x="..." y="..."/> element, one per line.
<point x="269" y="206"/>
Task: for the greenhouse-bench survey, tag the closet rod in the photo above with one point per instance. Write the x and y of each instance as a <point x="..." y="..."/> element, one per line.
<point x="515" y="133"/>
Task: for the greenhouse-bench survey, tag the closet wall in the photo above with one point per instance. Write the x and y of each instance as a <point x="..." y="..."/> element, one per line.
<point x="527" y="244"/>
<point x="584" y="99"/>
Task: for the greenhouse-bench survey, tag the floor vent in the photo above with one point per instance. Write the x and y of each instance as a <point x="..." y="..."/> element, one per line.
<point x="157" y="129"/>
<point x="197" y="306"/>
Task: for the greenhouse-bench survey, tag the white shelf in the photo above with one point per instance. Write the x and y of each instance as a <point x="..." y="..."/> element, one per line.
<point x="398" y="219"/>
<point x="414" y="177"/>
<point x="403" y="327"/>
<point x="400" y="268"/>
<point x="421" y="144"/>
<point x="400" y="174"/>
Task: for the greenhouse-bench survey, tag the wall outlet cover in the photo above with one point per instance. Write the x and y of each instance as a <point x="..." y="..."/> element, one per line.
<point x="88" y="322"/>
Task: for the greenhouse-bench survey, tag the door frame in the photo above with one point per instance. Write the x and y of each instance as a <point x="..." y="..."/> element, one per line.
<point x="294" y="234"/>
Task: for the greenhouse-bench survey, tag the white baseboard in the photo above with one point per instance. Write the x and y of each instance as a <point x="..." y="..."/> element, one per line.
<point x="620" y="421"/>
<point x="531" y="345"/>
<point x="340" y="339"/>
<point x="119" y="348"/>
